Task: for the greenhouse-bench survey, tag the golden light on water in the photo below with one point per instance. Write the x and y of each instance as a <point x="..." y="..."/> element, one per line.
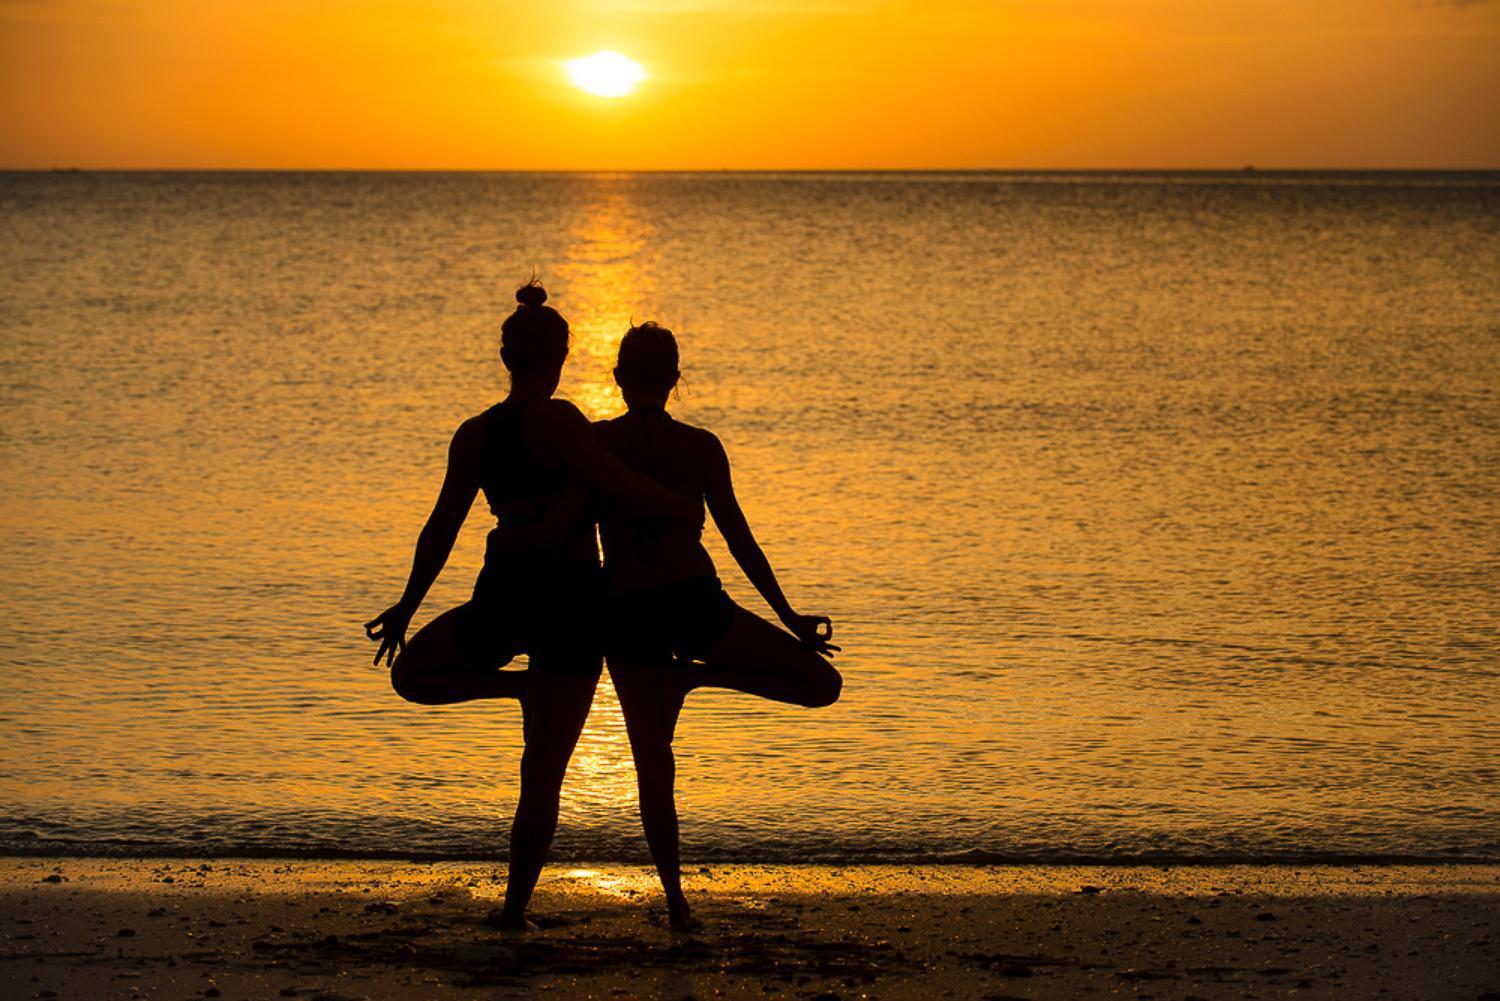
<point x="609" y="277"/>
<point x="602" y="770"/>
<point x="608" y="273"/>
<point x="605" y="74"/>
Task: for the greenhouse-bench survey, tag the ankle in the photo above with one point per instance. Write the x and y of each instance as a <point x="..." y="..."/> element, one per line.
<point x="515" y="921"/>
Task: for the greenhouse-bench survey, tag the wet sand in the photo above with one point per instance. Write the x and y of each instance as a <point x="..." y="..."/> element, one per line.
<point x="91" y="928"/>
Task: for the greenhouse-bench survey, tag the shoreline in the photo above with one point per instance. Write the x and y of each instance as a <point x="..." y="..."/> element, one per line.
<point x="969" y="860"/>
<point x="376" y="929"/>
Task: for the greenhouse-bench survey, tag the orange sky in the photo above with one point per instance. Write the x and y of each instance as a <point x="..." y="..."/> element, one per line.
<point x="751" y="83"/>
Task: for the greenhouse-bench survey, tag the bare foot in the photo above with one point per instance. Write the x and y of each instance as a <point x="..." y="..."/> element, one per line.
<point x="680" y="917"/>
<point x="520" y="925"/>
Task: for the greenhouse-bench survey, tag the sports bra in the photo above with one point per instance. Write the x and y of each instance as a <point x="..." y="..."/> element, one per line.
<point x="511" y="471"/>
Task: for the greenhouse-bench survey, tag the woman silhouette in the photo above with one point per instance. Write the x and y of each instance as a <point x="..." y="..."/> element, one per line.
<point x="672" y="628"/>
<point x="667" y="609"/>
<point x="541" y="599"/>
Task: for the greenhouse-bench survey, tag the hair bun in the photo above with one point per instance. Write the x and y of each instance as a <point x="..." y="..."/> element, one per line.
<point x="531" y="294"/>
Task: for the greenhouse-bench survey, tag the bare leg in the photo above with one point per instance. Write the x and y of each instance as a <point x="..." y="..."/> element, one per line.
<point x="651" y="702"/>
<point x="753" y="657"/>
<point x="434" y="670"/>
<point x="556" y="707"/>
<point x="757" y="658"/>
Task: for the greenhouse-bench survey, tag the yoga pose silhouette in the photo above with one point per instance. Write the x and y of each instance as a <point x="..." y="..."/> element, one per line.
<point x="543" y="598"/>
<point x="672" y="629"/>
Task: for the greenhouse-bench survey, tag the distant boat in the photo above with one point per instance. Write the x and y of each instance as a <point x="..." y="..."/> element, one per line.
<point x="1248" y="169"/>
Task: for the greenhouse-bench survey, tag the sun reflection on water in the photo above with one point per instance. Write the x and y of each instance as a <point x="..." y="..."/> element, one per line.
<point x="609" y="276"/>
<point x="602" y="770"/>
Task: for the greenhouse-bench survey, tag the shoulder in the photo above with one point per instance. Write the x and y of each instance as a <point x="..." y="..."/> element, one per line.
<point x="554" y="419"/>
<point x="705" y="445"/>
<point x="471" y="432"/>
<point x="467" y="446"/>
<point x="609" y="428"/>
<point x="557" y="412"/>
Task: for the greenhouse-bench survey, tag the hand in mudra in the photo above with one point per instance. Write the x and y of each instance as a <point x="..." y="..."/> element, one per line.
<point x="389" y="630"/>
<point x="813" y="630"/>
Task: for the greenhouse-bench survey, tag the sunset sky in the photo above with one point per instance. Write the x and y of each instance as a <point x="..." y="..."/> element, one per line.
<point x="751" y="84"/>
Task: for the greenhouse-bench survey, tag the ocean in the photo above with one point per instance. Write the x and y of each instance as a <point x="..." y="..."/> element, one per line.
<point x="1158" y="514"/>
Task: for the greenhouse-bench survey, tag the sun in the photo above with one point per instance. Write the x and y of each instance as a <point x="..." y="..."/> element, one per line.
<point x="605" y="74"/>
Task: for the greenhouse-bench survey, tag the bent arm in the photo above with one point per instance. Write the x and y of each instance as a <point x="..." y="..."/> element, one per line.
<point x="814" y="630"/>
<point x="570" y="434"/>
<point x="435" y="542"/>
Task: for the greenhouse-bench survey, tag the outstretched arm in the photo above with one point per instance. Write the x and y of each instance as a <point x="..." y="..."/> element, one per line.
<point x="567" y="432"/>
<point x="435" y="542"/>
<point x="814" y="630"/>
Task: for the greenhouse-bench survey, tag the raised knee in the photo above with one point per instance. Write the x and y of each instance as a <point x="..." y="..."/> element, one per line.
<point x="827" y="691"/>
<point x="401" y="681"/>
<point x="407" y="684"/>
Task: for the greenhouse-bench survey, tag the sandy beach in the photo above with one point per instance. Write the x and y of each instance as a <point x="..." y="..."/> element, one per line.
<point x="95" y="928"/>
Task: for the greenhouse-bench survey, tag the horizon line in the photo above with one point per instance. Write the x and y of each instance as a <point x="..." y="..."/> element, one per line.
<point x="1240" y="169"/>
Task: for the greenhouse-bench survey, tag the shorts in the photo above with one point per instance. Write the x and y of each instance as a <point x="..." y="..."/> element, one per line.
<point x="685" y="619"/>
<point x="549" y="612"/>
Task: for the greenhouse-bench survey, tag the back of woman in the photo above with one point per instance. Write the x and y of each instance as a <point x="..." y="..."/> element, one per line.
<point x="672" y="628"/>
<point x="642" y="552"/>
<point x="542" y="599"/>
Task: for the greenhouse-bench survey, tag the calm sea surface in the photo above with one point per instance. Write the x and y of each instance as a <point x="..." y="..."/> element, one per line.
<point x="1159" y="514"/>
